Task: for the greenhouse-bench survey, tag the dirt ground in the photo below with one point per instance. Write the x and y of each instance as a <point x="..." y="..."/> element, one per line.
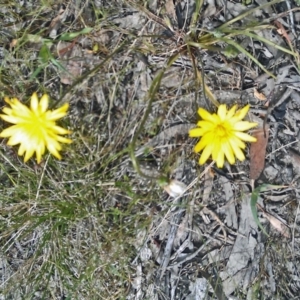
<point x="102" y="223"/>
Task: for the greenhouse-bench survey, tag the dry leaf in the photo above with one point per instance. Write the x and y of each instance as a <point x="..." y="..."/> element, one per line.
<point x="258" y="152"/>
<point x="210" y="10"/>
<point x="258" y="95"/>
<point x="276" y="223"/>
<point x="170" y="9"/>
<point x="56" y="23"/>
<point x="282" y="31"/>
<point x="13" y="43"/>
<point x="69" y="52"/>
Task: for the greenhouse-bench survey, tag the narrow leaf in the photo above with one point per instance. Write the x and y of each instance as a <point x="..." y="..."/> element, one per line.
<point x="248" y="12"/>
<point x="254" y="198"/>
<point x="242" y="50"/>
<point x="37" y="72"/>
<point x="60" y="66"/>
<point x="72" y="35"/>
<point x="208" y="92"/>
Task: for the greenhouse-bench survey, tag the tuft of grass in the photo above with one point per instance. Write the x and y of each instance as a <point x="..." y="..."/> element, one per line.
<point x="67" y="228"/>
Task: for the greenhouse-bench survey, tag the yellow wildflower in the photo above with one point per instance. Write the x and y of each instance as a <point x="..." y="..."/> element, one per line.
<point x="35" y="128"/>
<point x="221" y="134"/>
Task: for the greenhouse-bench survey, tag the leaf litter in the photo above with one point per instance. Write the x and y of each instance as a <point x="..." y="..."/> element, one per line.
<point x="206" y="244"/>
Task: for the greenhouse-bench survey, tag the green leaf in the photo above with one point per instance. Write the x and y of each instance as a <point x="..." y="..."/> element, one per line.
<point x="72" y="35"/>
<point x="254" y="198"/>
<point x="37" y="72"/>
<point x="60" y="66"/>
<point x="242" y="50"/>
<point x="248" y="12"/>
<point x="35" y="38"/>
<point x="247" y="32"/>
<point x="45" y="54"/>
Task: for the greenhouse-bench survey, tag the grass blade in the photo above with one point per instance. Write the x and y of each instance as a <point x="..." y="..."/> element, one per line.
<point x="242" y="50"/>
<point x="254" y="198"/>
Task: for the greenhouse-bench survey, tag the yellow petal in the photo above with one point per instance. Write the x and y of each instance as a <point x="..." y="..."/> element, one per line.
<point x="245" y="137"/>
<point x="231" y="112"/>
<point x="244" y="125"/>
<point x="29" y="153"/>
<point x="7" y="110"/>
<point x="51" y="142"/>
<point x="60" y="130"/>
<point x="195" y="132"/>
<point x="216" y="149"/>
<point x="63" y="139"/>
<point x="58" y="113"/>
<point x="19" y="109"/>
<point x="222" y="111"/>
<point x="10" y="119"/>
<point x="15" y="139"/>
<point x="228" y="151"/>
<point x="205" y="115"/>
<point x="240" y="114"/>
<point x="237" y="151"/>
<point x="22" y="149"/>
<point x="34" y="103"/>
<point x="205" y="140"/>
<point x="8" y="131"/>
<point x="44" y="102"/>
<point x="40" y="150"/>
<point x="205" y="154"/>
<point x="236" y="142"/>
<point x="53" y="150"/>
<point x="206" y="124"/>
<point x="220" y="159"/>
<point x="198" y="147"/>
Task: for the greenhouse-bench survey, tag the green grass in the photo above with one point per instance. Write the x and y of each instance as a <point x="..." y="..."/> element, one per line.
<point x="69" y="229"/>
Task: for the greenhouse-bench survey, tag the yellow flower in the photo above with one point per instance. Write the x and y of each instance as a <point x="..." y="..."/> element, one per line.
<point x="35" y="128"/>
<point x="221" y="134"/>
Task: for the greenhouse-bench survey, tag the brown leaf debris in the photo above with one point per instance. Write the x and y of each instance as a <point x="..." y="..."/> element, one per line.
<point x="259" y="96"/>
<point x="258" y="152"/>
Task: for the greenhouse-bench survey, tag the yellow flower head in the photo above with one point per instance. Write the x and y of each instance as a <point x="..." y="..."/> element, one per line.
<point x="221" y="134"/>
<point x="34" y="128"/>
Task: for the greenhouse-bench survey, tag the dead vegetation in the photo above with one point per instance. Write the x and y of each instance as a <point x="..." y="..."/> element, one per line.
<point x="134" y="73"/>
